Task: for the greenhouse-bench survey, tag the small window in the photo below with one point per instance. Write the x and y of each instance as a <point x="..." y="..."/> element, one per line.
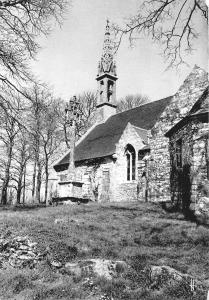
<point x="178" y="152"/>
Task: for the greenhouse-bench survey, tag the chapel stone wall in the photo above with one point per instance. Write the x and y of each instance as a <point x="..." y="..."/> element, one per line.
<point x="92" y="174"/>
<point x="200" y="159"/>
<point x="124" y="190"/>
<point x="182" y="102"/>
<point x="194" y="137"/>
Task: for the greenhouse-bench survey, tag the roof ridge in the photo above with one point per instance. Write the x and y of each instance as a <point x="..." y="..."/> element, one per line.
<point x="142" y="105"/>
<point x="86" y="133"/>
<point x="102" y="140"/>
<point x="139" y="127"/>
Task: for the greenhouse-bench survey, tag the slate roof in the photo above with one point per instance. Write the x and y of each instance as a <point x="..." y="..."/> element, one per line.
<point x="101" y="140"/>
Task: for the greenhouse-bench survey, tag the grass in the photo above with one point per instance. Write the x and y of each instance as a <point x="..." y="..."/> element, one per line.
<point x="139" y="233"/>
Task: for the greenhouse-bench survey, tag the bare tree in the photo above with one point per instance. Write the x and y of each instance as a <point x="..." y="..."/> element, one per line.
<point x="51" y="138"/>
<point x="21" y="22"/>
<point x="87" y="108"/>
<point x="131" y="101"/>
<point x="62" y="122"/>
<point x="173" y="23"/>
<point x="37" y="96"/>
<point x="46" y="134"/>
<point x="20" y="159"/>
<point x="88" y="102"/>
<point x="8" y="134"/>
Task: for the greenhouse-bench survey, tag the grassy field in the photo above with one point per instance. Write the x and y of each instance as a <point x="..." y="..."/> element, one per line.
<point x="140" y="234"/>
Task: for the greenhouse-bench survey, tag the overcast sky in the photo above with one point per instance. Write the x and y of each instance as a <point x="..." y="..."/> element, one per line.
<point x="69" y="56"/>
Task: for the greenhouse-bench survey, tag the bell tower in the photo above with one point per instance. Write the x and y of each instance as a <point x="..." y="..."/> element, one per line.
<point x="106" y="78"/>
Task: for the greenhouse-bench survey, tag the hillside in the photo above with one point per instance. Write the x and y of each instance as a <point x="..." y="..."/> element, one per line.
<point x="137" y="235"/>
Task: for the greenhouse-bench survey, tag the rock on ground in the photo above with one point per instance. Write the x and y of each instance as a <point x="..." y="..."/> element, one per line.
<point x="164" y="275"/>
<point x="100" y="267"/>
<point x="18" y="252"/>
<point x="202" y="209"/>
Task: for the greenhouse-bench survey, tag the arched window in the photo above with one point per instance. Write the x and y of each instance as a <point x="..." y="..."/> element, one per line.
<point x="109" y="90"/>
<point x="131" y="162"/>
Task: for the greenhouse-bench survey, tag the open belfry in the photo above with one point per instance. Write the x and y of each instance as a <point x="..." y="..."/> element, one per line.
<point x="126" y="156"/>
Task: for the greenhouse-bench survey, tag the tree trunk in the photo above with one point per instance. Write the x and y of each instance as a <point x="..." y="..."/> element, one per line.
<point x="47" y="179"/>
<point x="23" y="199"/>
<point x="6" y="177"/>
<point x="19" y="186"/>
<point x="38" y="183"/>
<point x="18" y="193"/>
<point x="34" y="181"/>
<point x="4" y="194"/>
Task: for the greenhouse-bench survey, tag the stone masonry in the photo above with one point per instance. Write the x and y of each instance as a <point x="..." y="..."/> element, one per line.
<point x="194" y="137"/>
<point x="183" y="100"/>
<point x="92" y="172"/>
<point x="124" y="190"/>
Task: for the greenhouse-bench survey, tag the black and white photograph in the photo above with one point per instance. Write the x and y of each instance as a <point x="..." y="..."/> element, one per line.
<point x="104" y="150"/>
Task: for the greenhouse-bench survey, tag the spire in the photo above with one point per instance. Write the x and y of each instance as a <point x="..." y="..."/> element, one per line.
<point x="107" y="64"/>
<point x="106" y="78"/>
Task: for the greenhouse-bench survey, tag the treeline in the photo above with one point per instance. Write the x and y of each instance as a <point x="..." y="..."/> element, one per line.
<point x="33" y="128"/>
<point x="33" y="133"/>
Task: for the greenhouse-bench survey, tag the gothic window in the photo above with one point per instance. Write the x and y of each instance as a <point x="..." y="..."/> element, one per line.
<point x="131" y="163"/>
<point x="178" y="152"/>
<point x="128" y="165"/>
<point x="133" y="166"/>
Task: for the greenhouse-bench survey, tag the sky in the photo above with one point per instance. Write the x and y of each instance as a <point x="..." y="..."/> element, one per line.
<point x="69" y="56"/>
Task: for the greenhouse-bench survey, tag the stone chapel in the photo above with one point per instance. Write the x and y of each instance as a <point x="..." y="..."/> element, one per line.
<point x="126" y="156"/>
